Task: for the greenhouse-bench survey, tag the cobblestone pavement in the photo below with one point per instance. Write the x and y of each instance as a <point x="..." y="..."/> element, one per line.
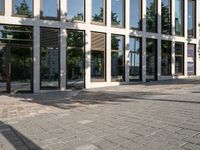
<point x="162" y="115"/>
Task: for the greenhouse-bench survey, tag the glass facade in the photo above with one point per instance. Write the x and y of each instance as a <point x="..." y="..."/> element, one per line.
<point x="117" y="13"/>
<point x="179" y="17"/>
<point x="166" y="58"/>
<point x="50" y="58"/>
<point x="98" y="11"/>
<point x="179" y="58"/>
<point x="1" y="7"/>
<point x="166" y="16"/>
<point x="135" y="59"/>
<point x="75" y="10"/>
<point x="151" y="15"/>
<point x="136" y="14"/>
<point x="117" y="58"/>
<point x="50" y="9"/>
<point x="191" y="60"/>
<point x="23" y="8"/>
<point x="191" y="18"/>
<point x="151" y="59"/>
<point x="75" y="58"/>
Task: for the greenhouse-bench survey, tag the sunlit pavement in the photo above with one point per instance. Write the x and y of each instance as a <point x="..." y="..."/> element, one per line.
<point x="162" y="115"/>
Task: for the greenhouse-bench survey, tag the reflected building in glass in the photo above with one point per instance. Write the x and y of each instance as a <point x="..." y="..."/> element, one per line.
<point x="74" y="44"/>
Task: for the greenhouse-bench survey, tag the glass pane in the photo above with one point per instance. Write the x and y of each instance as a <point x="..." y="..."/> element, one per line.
<point x="97" y="65"/>
<point x="191" y="18"/>
<point x="166" y="16"/>
<point x="166" y="58"/>
<point x="151" y="15"/>
<point x="3" y="69"/>
<point x="117" y="58"/>
<point x="191" y="60"/>
<point x="1" y="7"/>
<point x="98" y="10"/>
<point x="135" y="14"/>
<point x="49" y="69"/>
<point x="75" y="10"/>
<point x="23" y="7"/>
<point x="179" y="58"/>
<point x="75" y="59"/>
<point x="134" y="59"/>
<point x="151" y="59"/>
<point x="50" y="8"/>
<point x="179" y="21"/>
<point x="117" y="13"/>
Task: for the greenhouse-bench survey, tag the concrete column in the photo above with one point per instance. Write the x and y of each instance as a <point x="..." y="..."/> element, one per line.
<point x="127" y="49"/>
<point x="173" y="18"/>
<point x="108" y="13"/>
<point x="144" y="59"/>
<point x="186" y="35"/>
<point x="87" y="59"/>
<point x="159" y="59"/>
<point x="88" y="12"/>
<point x="198" y="36"/>
<point x="159" y="17"/>
<point x="127" y="14"/>
<point x="8" y="7"/>
<point x="36" y="59"/>
<point x="144" y="16"/>
<point x="63" y="10"/>
<point x="108" y="57"/>
<point x="173" y="39"/>
<point x="173" y="59"/>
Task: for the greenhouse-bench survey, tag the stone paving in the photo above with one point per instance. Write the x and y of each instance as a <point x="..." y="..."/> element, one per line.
<point x="162" y="115"/>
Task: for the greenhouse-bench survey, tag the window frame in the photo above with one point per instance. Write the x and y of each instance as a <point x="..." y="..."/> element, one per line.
<point x="183" y="60"/>
<point x="22" y="16"/>
<point x="57" y="18"/>
<point x="104" y="14"/>
<point x="70" y="20"/>
<point x="124" y="16"/>
<point x="2" y="13"/>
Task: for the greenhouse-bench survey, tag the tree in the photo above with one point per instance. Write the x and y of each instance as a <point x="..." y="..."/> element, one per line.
<point x="23" y="9"/>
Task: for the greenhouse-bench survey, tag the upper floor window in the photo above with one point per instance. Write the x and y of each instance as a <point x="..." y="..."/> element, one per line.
<point x="1" y="7"/>
<point x="50" y="9"/>
<point x="75" y="10"/>
<point x="136" y="14"/>
<point x="151" y="15"/>
<point x="191" y="18"/>
<point x="166" y="16"/>
<point x="179" y="17"/>
<point x="98" y="11"/>
<point x="117" y="13"/>
<point x="23" y="8"/>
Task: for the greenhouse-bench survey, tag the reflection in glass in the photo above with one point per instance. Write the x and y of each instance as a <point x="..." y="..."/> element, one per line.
<point x="1" y="7"/>
<point x="117" y="58"/>
<point x="3" y="69"/>
<point x="179" y="59"/>
<point x="179" y="17"/>
<point x="75" y="59"/>
<point x="191" y="60"/>
<point x="117" y="13"/>
<point x="191" y="18"/>
<point x="151" y="15"/>
<point x="97" y="64"/>
<point x="23" y="7"/>
<point x="151" y="59"/>
<point x="165" y="57"/>
<point x="135" y="14"/>
<point x="50" y="8"/>
<point x="75" y="10"/>
<point x="135" y="59"/>
<point x="166" y="16"/>
<point x="98" y="11"/>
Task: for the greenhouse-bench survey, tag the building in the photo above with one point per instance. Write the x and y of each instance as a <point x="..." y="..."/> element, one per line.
<point x="59" y="44"/>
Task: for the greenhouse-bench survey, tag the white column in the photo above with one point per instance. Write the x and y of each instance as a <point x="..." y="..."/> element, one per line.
<point x="159" y="17"/>
<point x="127" y="14"/>
<point x="88" y="10"/>
<point x="186" y="35"/>
<point x="8" y="7"/>
<point x="144" y="41"/>
<point x="144" y="16"/>
<point x="173" y="59"/>
<point x="198" y="36"/>
<point x="108" y="57"/>
<point x="127" y="49"/>
<point x="173" y="40"/>
<point x="108" y="12"/>
<point x="159" y="59"/>
<point x="87" y="59"/>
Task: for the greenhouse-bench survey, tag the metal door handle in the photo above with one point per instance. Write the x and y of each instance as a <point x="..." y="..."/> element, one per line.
<point x="9" y="68"/>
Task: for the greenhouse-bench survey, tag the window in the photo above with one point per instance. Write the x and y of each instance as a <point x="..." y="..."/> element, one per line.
<point x="191" y="60"/>
<point x="2" y="7"/>
<point x="151" y="15"/>
<point x="75" y="10"/>
<point x="50" y="9"/>
<point x="166" y="16"/>
<point x="117" y="58"/>
<point x="179" y="17"/>
<point x="50" y="58"/>
<point x="165" y="58"/>
<point x="23" y="8"/>
<point x="135" y="59"/>
<point x="98" y="51"/>
<point x="179" y="58"/>
<point x="136" y="14"/>
<point x="75" y="58"/>
<point x="151" y="59"/>
<point x="192" y="18"/>
<point x="98" y="11"/>
<point x="117" y="13"/>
